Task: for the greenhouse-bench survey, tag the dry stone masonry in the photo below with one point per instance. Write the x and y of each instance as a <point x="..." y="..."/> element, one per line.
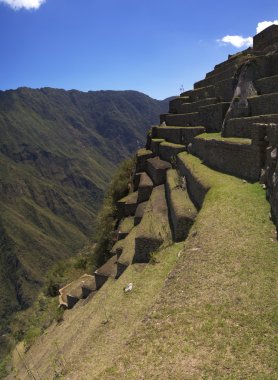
<point x="230" y="121"/>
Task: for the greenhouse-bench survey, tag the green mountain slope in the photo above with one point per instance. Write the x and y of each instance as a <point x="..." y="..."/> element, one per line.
<point x="58" y="150"/>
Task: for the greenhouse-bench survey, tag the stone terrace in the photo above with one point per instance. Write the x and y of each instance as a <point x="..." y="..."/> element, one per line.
<point x="230" y="121"/>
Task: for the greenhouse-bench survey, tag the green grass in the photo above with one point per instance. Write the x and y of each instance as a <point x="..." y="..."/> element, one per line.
<point x="178" y="197"/>
<point x="218" y="137"/>
<point x="104" y="325"/>
<point x="216" y="317"/>
<point x="171" y="145"/>
<point x="142" y="152"/>
<point x="126" y="225"/>
<point x="207" y="308"/>
<point x="128" y="248"/>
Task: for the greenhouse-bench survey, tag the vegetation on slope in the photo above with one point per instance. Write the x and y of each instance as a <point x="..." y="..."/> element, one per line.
<point x="58" y="150"/>
<point x="106" y="219"/>
<point x="212" y="317"/>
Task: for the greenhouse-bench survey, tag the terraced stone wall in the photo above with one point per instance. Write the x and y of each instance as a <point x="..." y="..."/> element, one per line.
<point x="271" y="170"/>
<point x="229" y="157"/>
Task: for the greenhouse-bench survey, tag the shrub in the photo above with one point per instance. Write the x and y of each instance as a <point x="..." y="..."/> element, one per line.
<point x="106" y="220"/>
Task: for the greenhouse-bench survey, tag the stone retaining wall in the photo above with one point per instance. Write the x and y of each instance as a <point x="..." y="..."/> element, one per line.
<point x="196" y="189"/>
<point x="271" y="170"/>
<point x="241" y="160"/>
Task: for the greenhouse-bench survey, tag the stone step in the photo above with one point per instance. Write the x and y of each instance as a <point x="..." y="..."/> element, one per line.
<point x="177" y="135"/>
<point x="156" y="169"/>
<point x="168" y="151"/>
<point x="273" y="65"/>
<point x="70" y="294"/>
<point x="236" y="156"/>
<point x="196" y="188"/>
<point x="237" y="57"/>
<point x="229" y="65"/>
<point x="151" y="234"/>
<point x="194" y="107"/>
<point x="154" y="145"/>
<point x="117" y="248"/>
<point x="127" y="205"/>
<point x="190" y="119"/>
<point x="267" y="85"/>
<point x="213" y="79"/>
<point x="263" y="104"/>
<point x="139" y="213"/>
<point x="242" y="126"/>
<point x="224" y="90"/>
<point x="88" y="286"/>
<point x="200" y="93"/>
<point x="181" y="210"/>
<point x="128" y="252"/>
<point x="142" y="156"/>
<point x="109" y="269"/>
<point x="136" y="180"/>
<point x="174" y="104"/>
<point x="125" y="227"/>
<point x="212" y="116"/>
<point x="145" y="188"/>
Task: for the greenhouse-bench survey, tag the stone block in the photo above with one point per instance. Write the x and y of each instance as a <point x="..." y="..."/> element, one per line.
<point x="127" y="255"/>
<point x="190" y="119"/>
<point x="117" y="248"/>
<point x="212" y="80"/>
<point x="196" y="188"/>
<point x="145" y="188"/>
<point x="125" y="227"/>
<point x="242" y="127"/>
<point x="139" y="213"/>
<point x="194" y="107"/>
<point x="212" y="116"/>
<point x="131" y="203"/>
<point x="136" y="180"/>
<point x="154" y="145"/>
<point x="151" y="234"/>
<point x="200" y="93"/>
<point x="241" y="160"/>
<point x="175" y="104"/>
<point x="181" y="210"/>
<point x="168" y="151"/>
<point x="142" y="156"/>
<point x="263" y="104"/>
<point x="109" y="269"/>
<point x="267" y="85"/>
<point x="179" y="135"/>
<point x="266" y="38"/>
<point x="156" y="169"/>
<point x="224" y="89"/>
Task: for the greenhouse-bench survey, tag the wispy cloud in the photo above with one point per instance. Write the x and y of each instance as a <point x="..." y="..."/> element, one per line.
<point x="27" y="4"/>
<point x="244" y="42"/>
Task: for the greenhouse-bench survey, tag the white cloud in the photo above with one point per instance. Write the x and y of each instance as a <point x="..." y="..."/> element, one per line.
<point x="265" y="24"/>
<point x="27" y="4"/>
<point x="245" y="42"/>
<point x="236" y="41"/>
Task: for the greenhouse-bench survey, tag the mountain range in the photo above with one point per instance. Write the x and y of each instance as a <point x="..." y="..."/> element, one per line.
<point x="58" y="151"/>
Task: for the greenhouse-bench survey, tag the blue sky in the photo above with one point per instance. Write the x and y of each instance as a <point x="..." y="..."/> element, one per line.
<point x="152" y="46"/>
